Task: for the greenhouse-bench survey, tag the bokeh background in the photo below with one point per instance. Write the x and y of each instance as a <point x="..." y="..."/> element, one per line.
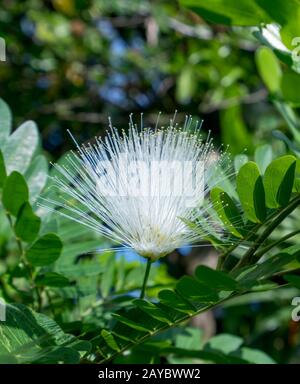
<point x="72" y="63"/>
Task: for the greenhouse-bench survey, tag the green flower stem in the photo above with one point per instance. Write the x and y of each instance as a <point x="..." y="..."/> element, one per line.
<point x="223" y="256"/>
<point x="25" y="263"/>
<point x="272" y="245"/>
<point x="19" y="243"/>
<point x="148" y="267"/>
<point x="48" y="295"/>
<point x="249" y="256"/>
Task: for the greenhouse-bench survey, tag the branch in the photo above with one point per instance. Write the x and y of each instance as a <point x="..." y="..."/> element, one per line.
<point x="200" y="31"/>
<point x="250" y="257"/>
<point x="251" y="98"/>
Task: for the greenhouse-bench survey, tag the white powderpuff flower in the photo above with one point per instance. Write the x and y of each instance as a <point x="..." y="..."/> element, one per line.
<point x="140" y="188"/>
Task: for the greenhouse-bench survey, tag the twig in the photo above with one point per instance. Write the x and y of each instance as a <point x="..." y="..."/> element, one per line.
<point x="26" y="265"/>
<point x="272" y="245"/>
<point x="251" y="98"/>
<point x="249" y="256"/>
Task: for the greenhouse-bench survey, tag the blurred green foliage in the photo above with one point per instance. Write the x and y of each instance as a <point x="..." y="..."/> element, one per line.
<point x="73" y="63"/>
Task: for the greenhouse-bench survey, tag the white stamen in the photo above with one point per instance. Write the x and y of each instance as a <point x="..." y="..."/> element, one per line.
<point x="105" y="199"/>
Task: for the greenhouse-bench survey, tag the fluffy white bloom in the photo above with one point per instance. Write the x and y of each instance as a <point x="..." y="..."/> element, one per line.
<point x="139" y="188"/>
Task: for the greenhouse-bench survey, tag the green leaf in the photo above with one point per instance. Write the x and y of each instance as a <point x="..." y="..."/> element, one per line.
<point x="59" y="355"/>
<point x="110" y="340"/>
<point x="227" y="211"/>
<point x="52" y="279"/>
<point x="36" y="176"/>
<point x="75" y="271"/>
<point x="28" y="224"/>
<point x="28" y="337"/>
<point x="186" y="85"/>
<point x="2" y="170"/>
<point x="5" y="122"/>
<point x="224" y="342"/>
<point x="153" y="310"/>
<point x="135" y="324"/>
<point x="255" y="356"/>
<point x="258" y="272"/>
<point x="296" y="187"/>
<point x="15" y="193"/>
<point x="193" y="290"/>
<point x="173" y="300"/>
<point x="239" y="161"/>
<point x="121" y="273"/>
<point x="290" y="118"/>
<point x="234" y="130"/>
<point x="293" y="280"/>
<point x="45" y="250"/>
<point x="107" y="280"/>
<point x="263" y="156"/>
<point x="251" y="192"/>
<point x="279" y="180"/>
<point x="271" y="42"/>
<point x="280" y="11"/>
<point x="190" y="338"/>
<point x="286" y="14"/>
<point x="215" y="279"/>
<point x="292" y="146"/>
<point x="290" y="86"/>
<point x="228" y="12"/>
<point x="269" y="68"/>
<point x="20" y="147"/>
<point x="206" y="355"/>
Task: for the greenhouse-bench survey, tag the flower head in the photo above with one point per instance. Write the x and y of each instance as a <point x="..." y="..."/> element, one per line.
<point x="140" y="187"/>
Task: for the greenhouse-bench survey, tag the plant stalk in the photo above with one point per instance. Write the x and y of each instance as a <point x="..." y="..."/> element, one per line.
<point x="272" y="245"/>
<point x="26" y="265"/>
<point x="146" y="276"/>
<point x="249" y="256"/>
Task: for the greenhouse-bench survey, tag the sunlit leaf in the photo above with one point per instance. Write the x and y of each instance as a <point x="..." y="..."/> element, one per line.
<point x="269" y="68"/>
<point x="228" y="12"/>
<point x="51" y="279"/>
<point x="263" y="156"/>
<point x="15" y="193"/>
<point x="5" y="122"/>
<point x="27" y="225"/>
<point x="20" y="147"/>
<point x="44" y="250"/>
<point x="278" y="181"/>
<point x="31" y="337"/>
<point x="36" y="176"/>
<point x="290" y="85"/>
<point x="227" y="211"/>
<point x="251" y="192"/>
